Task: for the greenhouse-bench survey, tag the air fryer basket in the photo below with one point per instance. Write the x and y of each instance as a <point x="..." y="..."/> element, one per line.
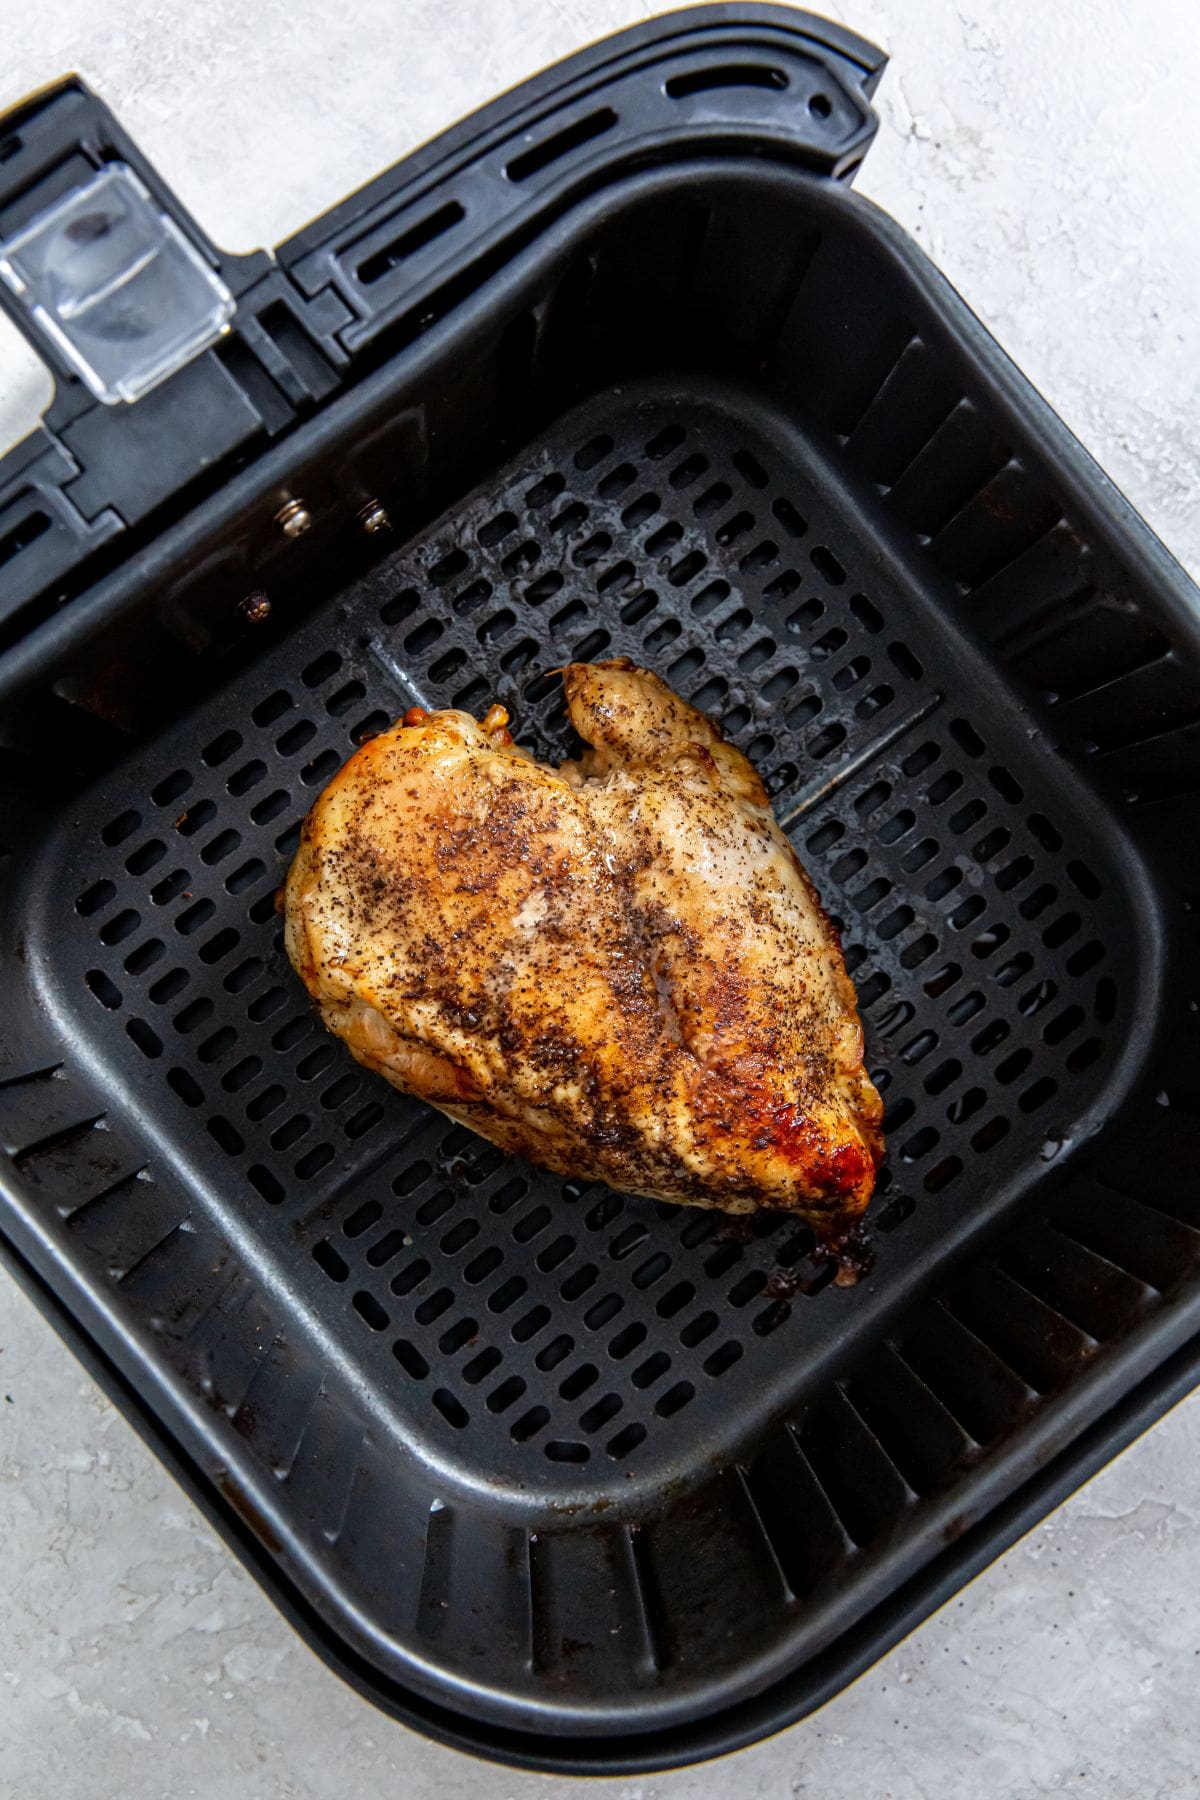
<point x="567" y="1477"/>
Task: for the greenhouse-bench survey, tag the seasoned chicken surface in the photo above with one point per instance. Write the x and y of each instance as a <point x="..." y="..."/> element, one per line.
<point x="616" y="968"/>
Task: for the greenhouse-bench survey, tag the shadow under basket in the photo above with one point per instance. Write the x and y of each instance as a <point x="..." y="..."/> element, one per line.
<point x="570" y="1478"/>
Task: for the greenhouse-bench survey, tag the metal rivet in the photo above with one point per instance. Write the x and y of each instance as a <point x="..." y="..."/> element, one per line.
<point x="293" y="519"/>
<point x="373" y="517"/>
<point x="256" y="606"/>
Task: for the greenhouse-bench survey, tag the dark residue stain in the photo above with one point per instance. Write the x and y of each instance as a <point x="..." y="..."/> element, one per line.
<point x="248" y="1513"/>
<point x="781" y="1284"/>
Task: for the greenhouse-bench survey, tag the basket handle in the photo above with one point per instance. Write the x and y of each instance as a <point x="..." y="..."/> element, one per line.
<point x="240" y="346"/>
<point x="711" y="80"/>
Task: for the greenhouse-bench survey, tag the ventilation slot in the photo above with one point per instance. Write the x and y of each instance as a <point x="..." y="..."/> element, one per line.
<point x="726" y="75"/>
<point x="417" y="237"/>
<point x="552" y="150"/>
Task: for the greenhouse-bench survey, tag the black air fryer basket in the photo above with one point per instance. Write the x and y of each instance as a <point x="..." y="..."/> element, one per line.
<point x="621" y="366"/>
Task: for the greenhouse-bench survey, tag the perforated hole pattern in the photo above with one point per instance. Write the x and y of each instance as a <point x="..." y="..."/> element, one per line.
<point x="561" y="1321"/>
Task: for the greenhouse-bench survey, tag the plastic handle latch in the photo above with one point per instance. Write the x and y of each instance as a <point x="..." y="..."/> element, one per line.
<point x="112" y="283"/>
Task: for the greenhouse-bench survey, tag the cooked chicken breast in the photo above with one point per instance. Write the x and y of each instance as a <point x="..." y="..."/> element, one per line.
<point x="616" y="968"/>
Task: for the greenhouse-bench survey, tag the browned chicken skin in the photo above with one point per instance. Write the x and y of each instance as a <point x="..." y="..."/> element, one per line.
<point x="616" y="968"/>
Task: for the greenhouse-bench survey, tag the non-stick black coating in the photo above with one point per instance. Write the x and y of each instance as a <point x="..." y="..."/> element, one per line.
<point x="745" y="1459"/>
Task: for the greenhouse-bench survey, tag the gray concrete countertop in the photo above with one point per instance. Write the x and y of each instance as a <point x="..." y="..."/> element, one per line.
<point x="1046" y="156"/>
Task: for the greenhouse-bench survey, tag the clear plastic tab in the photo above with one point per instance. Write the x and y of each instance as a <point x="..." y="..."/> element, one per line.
<point x="116" y="286"/>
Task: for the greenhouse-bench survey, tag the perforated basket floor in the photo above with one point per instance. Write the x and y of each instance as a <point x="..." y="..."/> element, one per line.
<point x="464" y="1390"/>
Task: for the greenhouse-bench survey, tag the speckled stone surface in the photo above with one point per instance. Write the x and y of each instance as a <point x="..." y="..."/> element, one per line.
<point x="1046" y="157"/>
